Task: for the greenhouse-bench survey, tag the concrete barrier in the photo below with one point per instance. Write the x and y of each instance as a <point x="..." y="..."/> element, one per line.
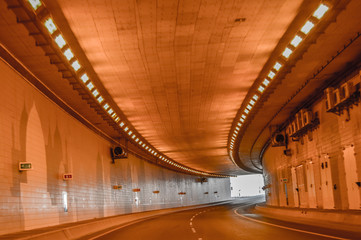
<point x="348" y="220"/>
<point x="83" y="230"/>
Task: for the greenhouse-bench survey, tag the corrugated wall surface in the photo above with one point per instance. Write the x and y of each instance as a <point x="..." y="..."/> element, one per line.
<point x="34" y="129"/>
<point x="330" y="141"/>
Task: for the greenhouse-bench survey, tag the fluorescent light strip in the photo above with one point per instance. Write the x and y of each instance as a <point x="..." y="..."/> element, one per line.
<point x="106" y="106"/>
<point x="90" y="86"/>
<point x="121" y="124"/>
<point x="320" y="11"/>
<point x="246" y="111"/>
<point x="76" y="66"/>
<point x="35" y="4"/>
<point x="84" y="78"/>
<point x="68" y="54"/>
<point x="261" y="89"/>
<point x="95" y="93"/>
<point x="60" y="41"/>
<point x="307" y="27"/>
<point x="287" y="52"/>
<point x="100" y="99"/>
<point x="277" y="66"/>
<point x="271" y="74"/>
<point x="296" y="41"/>
<point x="265" y="82"/>
<point x="50" y="26"/>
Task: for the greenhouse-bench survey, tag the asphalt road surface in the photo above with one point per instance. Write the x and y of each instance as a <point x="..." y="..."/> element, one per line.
<point x="223" y="222"/>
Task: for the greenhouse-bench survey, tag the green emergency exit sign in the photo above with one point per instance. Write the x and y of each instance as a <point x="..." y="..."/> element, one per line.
<point x="24" y="166"/>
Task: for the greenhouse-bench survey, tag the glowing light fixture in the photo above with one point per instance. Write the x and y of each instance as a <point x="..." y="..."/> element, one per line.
<point x="249" y="107"/>
<point x="307" y="27"/>
<point x="133" y="136"/>
<point x="265" y="82"/>
<point x="35" y="4"/>
<point x="106" y="106"/>
<point x="121" y="124"/>
<point x="90" y="86"/>
<point x="137" y="140"/>
<point x="239" y="124"/>
<point x="60" y="41"/>
<point x="260" y="89"/>
<point x="255" y="97"/>
<point x="68" y="54"/>
<point x="241" y="119"/>
<point x="237" y="128"/>
<point x="130" y="132"/>
<point x="100" y="99"/>
<point x="277" y="66"/>
<point x="320" y="11"/>
<point x="287" y="52"/>
<point x="84" y="78"/>
<point x="246" y="111"/>
<point x="110" y="111"/>
<point x="126" y="129"/>
<point x="296" y="41"/>
<point x="75" y="65"/>
<point x="95" y="93"/>
<point x="252" y="102"/>
<point x="271" y="74"/>
<point x="50" y="26"/>
<point x="243" y="116"/>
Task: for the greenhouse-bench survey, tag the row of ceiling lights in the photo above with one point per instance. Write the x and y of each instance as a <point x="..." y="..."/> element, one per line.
<point x="81" y="73"/>
<point x="299" y="37"/>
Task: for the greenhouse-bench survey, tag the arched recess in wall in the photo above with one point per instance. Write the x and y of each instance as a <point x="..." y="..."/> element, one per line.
<point x="34" y="196"/>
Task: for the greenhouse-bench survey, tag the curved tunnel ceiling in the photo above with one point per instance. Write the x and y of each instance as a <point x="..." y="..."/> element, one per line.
<point x="179" y="71"/>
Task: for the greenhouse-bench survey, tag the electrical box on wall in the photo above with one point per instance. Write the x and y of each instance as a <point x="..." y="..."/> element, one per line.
<point x="329" y="101"/>
<point x="25" y="166"/>
<point x="67" y="176"/>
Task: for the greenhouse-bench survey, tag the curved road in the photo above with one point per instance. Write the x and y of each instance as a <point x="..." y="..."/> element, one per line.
<point x="223" y="222"/>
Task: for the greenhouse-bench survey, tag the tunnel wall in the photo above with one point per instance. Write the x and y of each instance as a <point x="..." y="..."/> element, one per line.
<point x="34" y="129"/>
<point x="322" y="167"/>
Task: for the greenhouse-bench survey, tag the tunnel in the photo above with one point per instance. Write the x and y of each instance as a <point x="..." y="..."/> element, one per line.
<point x="133" y="119"/>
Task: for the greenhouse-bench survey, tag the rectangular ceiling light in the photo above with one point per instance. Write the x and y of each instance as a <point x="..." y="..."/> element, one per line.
<point x="249" y="107"/>
<point x="255" y="97"/>
<point x="246" y="111"/>
<point x="110" y="111"/>
<point x="130" y="132"/>
<point x="265" y="82"/>
<point x="287" y="52"/>
<point x="84" y="78"/>
<point x="100" y="99"/>
<point x="121" y="124"/>
<point x="106" y="106"/>
<point x="133" y="136"/>
<point x="320" y="11"/>
<point x="68" y="54"/>
<point x="260" y="89"/>
<point x="137" y="140"/>
<point x="237" y="128"/>
<point x="95" y="93"/>
<point x="126" y="129"/>
<point x="252" y="102"/>
<point x="50" y="26"/>
<point x="271" y="74"/>
<point x="140" y="142"/>
<point x="277" y="66"/>
<point x="239" y="124"/>
<point x="75" y="65"/>
<point x="296" y="41"/>
<point x="90" y="86"/>
<point x="60" y="41"/>
<point x="307" y="27"/>
<point x="35" y="4"/>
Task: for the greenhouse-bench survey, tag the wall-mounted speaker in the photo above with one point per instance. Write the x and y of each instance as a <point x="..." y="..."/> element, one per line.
<point x="278" y="139"/>
<point x="118" y="153"/>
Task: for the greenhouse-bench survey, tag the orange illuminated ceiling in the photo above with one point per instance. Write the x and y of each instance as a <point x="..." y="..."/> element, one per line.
<point x="177" y="73"/>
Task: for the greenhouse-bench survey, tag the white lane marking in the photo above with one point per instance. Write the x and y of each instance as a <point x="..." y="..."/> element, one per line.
<point x="193" y="230"/>
<point x="288" y="228"/>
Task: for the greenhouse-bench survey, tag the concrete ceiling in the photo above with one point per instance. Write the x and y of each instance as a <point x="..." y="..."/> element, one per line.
<point x="178" y="70"/>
